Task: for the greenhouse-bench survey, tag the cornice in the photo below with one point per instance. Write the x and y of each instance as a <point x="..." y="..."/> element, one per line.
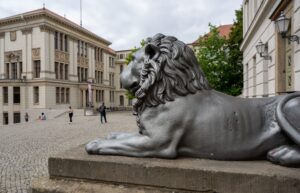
<point x="45" y="13"/>
<point x="26" y="30"/>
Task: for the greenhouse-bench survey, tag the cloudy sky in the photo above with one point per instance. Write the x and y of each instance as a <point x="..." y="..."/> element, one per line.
<point x="126" y="22"/>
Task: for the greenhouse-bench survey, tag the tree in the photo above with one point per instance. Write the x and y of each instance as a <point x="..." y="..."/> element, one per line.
<point x="221" y="59"/>
<point x="128" y="59"/>
<point x="235" y="57"/>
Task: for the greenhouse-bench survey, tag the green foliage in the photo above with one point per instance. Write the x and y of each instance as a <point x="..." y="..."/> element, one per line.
<point x="221" y="59"/>
<point x="128" y="59"/>
<point x="235" y="57"/>
<point x="130" y="55"/>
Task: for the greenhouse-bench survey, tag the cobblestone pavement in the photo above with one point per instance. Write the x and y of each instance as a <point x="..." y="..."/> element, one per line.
<point x="25" y="148"/>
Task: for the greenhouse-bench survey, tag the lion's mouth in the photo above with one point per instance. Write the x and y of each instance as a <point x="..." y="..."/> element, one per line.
<point x="134" y="87"/>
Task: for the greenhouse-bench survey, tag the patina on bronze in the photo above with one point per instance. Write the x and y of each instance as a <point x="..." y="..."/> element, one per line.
<point x="179" y="115"/>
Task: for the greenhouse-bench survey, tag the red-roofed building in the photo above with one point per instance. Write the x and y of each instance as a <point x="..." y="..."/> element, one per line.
<point x="224" y="31"/>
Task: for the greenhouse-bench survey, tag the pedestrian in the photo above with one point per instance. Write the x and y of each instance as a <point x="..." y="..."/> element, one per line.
<point x="102" y="110"/>
<point x="70" y="114"/>
<point x="43" y="117"/>
<point x="26" y="117"/>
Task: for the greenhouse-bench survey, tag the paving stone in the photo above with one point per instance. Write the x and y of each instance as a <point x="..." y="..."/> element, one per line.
<point x="26" y="147"/>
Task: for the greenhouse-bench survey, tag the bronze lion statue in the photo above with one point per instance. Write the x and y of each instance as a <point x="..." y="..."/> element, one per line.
<point x="178" y="114"/>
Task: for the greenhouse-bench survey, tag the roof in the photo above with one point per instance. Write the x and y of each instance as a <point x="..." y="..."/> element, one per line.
<point x="48" y="13"/>
<point x="224" y="31"/>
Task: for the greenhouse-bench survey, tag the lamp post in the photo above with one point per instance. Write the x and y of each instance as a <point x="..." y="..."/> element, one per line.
<point x="283" y="24"/>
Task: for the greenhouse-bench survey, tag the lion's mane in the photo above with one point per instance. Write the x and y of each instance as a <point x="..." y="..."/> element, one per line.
<point x="174" y="71"/>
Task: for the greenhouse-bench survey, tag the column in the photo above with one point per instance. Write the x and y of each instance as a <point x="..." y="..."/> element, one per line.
<point x="18" y="70"/>
<point x="83" y="98"/>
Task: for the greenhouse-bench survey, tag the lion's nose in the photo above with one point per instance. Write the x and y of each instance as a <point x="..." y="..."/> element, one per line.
<point x="127" y="79"/>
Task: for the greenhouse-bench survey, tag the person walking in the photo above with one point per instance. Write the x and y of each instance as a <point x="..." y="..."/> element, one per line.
<point x="70" y="114"/>
<point x="26" y="117"/>
<point x="102" y="110"/>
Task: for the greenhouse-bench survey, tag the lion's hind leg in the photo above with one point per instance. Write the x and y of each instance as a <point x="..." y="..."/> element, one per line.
<point x="288" y="116"/>
<point x="286" y="155"/>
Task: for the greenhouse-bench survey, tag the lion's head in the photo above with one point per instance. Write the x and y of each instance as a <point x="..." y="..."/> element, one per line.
<point x="162" y="70"/>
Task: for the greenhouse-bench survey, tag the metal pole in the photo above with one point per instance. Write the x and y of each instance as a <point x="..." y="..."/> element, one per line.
<point x="81" y="13"/>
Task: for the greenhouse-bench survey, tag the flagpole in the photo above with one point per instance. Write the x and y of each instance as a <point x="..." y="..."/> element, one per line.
<point x="81" y="13"/>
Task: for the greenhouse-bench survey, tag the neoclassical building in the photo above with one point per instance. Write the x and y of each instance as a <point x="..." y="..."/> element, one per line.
<point x="47" y="61"/>
<point x="271" y="54"/>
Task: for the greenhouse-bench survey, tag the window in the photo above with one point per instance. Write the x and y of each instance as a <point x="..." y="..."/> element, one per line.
<point x="66" y="72"/>
<point x="101" y="55"/>
<point x="57" y="94"/>
<point x="66" y="43"/>
<point x="17" y="117"/>
<point x="78" y="74"/>
<point x="78" y="47"/>
<point x="102" y="95"/>
<point x="101" y="77"/>
<point x="5" y="118"/>
<point x="111" y="62"/>
<point x="61" y="41"/>
<point x="16" y="95"/>
<point x="67" y="95"/>
<point x="56" y="70"/>
<point x="81" y="74"/>
<point x="36" y="95"/>
<point x="62" y="95"/>
<point x="56" y="40"/>
<point x="20" y="69"/>
<point x="121" y="69"/>
<point x="61" y="71"/>
<point x="121" y="100"/>
<point x="5" y="95"/>
<point x="111" y="96"/>
<point x="121" y="56"/>
<point x="36" y="69"/>
<point x="85" y="74"/>
<point x="111" y="79"/>
<point x="7" y="71"/>
<point x="82" y="48"/>
<point x="14" y="70"/>
<point x="97" y="95"/>
<point x="85" y="50"/>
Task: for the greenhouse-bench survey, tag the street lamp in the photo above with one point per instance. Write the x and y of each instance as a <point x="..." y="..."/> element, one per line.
<point x="262" y="50"/>
<point x="283" y="24"/>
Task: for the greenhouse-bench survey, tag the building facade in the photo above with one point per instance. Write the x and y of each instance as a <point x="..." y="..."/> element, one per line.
<point x="47" y="61"/>
<point x="277" y="70"/>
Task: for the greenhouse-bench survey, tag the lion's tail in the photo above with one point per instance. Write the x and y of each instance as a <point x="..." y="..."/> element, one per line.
<point x="288" y="116"/>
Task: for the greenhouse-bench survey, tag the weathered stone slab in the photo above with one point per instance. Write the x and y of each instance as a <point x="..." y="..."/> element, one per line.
<point x="46" y="185"/>
<point x="181" y="174"/>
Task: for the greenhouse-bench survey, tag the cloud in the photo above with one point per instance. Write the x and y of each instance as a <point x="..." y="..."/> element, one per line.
<point x="126" y="22"/>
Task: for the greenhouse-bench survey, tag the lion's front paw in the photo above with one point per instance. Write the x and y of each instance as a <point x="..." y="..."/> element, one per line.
<point x="93" y="146"/>
<point x="285" y="155"/>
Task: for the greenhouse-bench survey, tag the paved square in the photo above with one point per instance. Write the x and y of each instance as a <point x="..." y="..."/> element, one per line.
<point x="25" y="148"/>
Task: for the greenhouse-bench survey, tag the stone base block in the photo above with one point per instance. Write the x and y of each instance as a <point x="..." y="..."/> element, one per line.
<point x="117" y="173"/>
<point x="46" y="185"/>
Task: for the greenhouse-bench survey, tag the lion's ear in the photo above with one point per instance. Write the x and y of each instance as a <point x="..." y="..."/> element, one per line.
<point x="152" y="51"/>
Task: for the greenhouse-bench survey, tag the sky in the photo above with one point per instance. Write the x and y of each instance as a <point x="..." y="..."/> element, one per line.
<point x="126" y="22"/>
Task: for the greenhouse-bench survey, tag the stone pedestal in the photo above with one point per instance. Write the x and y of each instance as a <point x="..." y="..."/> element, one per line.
<point x="89" y="112"/>
<point x="76" y="171"/>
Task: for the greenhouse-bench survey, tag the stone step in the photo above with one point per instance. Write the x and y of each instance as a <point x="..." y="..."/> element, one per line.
<point x="188" y="174"/>
<point x="44" y="185"/>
